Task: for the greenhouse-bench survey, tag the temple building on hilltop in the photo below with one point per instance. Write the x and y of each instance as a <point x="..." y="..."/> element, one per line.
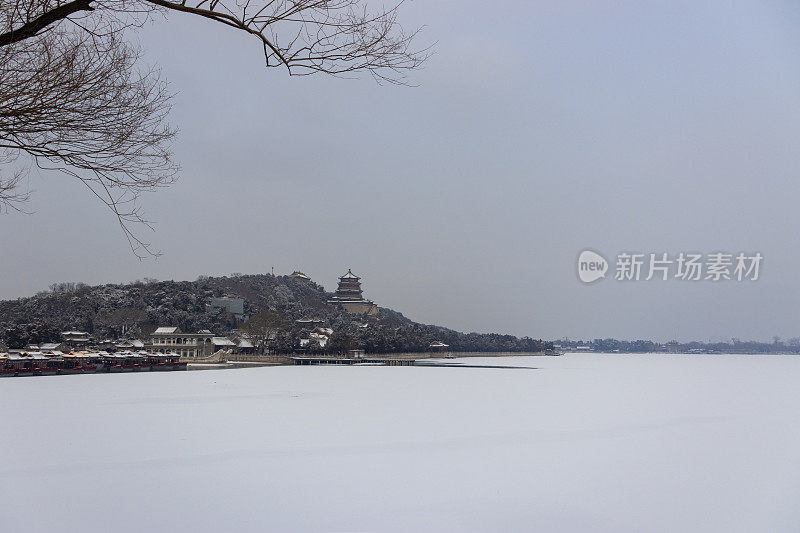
<point x="349" y="296"/>
<point x="299" y="275"/>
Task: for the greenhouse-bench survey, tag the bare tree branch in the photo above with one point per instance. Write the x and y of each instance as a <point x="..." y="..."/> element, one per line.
<point x="73" y="98"/>
<point x="12" y="195"/>
<point x="77" y="103"/>
<point x="33" y="27"/>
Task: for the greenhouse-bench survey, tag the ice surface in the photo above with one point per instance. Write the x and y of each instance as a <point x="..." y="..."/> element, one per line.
<point x="582" y="442"/>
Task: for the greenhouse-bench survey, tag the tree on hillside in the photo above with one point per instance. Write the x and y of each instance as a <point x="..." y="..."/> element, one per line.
<point x="75" y="98"/>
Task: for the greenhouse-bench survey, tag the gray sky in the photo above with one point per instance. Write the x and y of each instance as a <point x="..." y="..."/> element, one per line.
<point x="538" y="129"/>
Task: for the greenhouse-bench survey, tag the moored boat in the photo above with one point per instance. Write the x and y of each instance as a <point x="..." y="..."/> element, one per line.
<point x="14" y="364"/>
<point x="21" y="364"/>
<point x="122" y="362"/>
<point x="81" y="363"/>
<point x="44" y="363"/>
<point x="159" y="361"/>
<point x="167" y="361"/>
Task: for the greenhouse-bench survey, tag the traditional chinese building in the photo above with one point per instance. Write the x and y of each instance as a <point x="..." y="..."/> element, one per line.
<point x="172" y="339"/>
<point x="438" y="346"/>
<point x="76" y="338"/>
<point x="299" y="275"/>
<point x="309" y="323"/>
<point x="350" y="296"/>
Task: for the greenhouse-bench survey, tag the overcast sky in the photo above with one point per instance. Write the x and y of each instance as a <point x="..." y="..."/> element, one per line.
<point x="538" y="129"/>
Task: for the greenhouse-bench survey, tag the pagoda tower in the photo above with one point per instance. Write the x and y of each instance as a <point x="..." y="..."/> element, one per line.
<point x="350" y="296"/>
<point x="349" y="287"/>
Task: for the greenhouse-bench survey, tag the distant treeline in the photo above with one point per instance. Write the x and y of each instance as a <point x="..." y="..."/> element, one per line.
<point x="791" y="346"/>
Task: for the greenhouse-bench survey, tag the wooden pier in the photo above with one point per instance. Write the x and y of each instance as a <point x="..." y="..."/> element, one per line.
<point x="384" y="361"/>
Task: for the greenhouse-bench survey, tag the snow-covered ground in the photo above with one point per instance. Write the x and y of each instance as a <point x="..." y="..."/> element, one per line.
<point x="580" y="443"/>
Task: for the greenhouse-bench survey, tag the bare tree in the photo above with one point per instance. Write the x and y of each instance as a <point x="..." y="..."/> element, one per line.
<point x="11" y="193"/>
<point x="77" y="104"/>
<point x="73" y="97"/>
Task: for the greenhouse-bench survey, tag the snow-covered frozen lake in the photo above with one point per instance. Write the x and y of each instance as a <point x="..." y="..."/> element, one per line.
<point x="580" y="443"/>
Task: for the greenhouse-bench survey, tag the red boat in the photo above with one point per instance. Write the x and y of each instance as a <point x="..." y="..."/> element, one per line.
<point x="45" y="364"/>
<point x="123" y="362"/>
<point x="52" y="363"/>
<point x="24" y="364"/>
<point x="80" y="363"/>
<point x="164" y="361"/>
<point x="14" y="364"/>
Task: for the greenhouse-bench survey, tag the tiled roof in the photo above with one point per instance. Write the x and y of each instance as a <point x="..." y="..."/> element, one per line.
<point x="165" y="330"/>
<point x="349" y="275"/>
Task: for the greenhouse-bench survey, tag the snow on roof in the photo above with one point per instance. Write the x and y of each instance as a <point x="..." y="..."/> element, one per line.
<point x="222" y="341"/>
<point x="205" y="332"/>
<point x="244" y="343"/>
<point x="165" y="330"/>
<point x="130" y="344"/>
<point x="349" y="275"/>
<point x="74" y="333"/>
<point x="81" y="354"/>
<point x="49" y="345"/>
<point x="438" y="344"/>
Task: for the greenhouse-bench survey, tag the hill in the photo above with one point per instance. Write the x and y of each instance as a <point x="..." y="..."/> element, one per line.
<point x="272" y="303"/>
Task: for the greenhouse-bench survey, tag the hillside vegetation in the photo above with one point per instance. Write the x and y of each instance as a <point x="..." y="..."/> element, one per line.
<point x="273" y="304"/>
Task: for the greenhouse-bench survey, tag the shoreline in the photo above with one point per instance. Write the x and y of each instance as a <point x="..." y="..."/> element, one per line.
<point x="253" y="361"/>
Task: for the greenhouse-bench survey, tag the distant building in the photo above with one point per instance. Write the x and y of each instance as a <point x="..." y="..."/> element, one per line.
<point x="299" y="275"/>
<point x="45" y="347"/>
<point x="222" y="343"/>
<point x="172" y="339"/>
<point x="76" y="338"/>
<point x="672" y="347"/>
<point x="438" y="346"/>
<point x="245" y="346"/>
<point x="350" y="297"/>
<point x="309" y="323"/>
<point x="231" y="305"/>
<point x="133" y="345"/>
<point x="320" y="335"/>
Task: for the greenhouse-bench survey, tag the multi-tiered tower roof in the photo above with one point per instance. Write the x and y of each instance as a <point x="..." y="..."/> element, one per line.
<point x="349" y="287"/>
<point x="351" y="297"/>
